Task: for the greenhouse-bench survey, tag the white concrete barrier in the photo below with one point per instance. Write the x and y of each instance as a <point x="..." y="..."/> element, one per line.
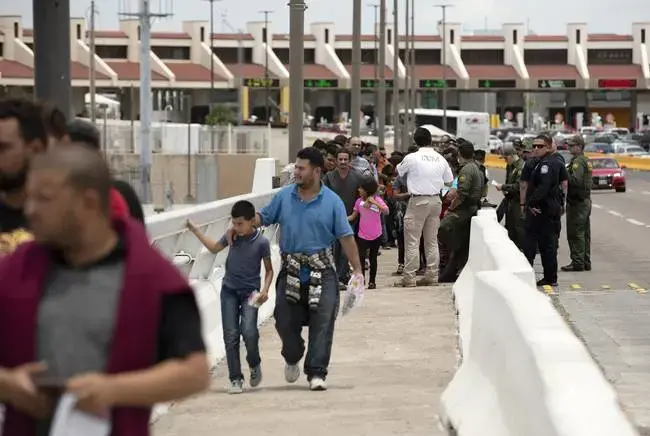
<point x="523" y="372"/>
<point x="205" y="270"/>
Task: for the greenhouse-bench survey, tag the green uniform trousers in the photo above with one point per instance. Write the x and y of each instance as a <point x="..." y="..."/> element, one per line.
<point x="578" y="228"/>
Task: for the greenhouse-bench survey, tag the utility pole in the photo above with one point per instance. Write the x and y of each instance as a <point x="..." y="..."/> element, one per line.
<point x="381" y="88"/>
<point x="91" y="69"/>
<point x="414" y="96"/>
<point x="240" y="64"/>
<point x="376" y="62"/>
<point x="145" y="16"/>
<point x="407" y="78"/>
<point x="212" y="92"/>
<point x="296" y="84"/>
<point x="396" y="137"/>
<point x="444" y="7"/>
<point x="355" y="100"/>
<point x="267" y="44"/>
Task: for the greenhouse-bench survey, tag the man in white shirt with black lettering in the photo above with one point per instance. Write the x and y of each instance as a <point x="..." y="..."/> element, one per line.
<point x="426" y="172"/>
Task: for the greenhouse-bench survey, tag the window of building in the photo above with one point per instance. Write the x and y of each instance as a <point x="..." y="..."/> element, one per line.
<point x="389" y="36"/>
<point x="202" y="34"/>
<point x="577" y="36"/>
<point x="514" y="37"/>
<point x="229" y="55"/>
<point x="345" y="55"/>
<point x="138" y="33"/>
<point x="172" y="53"/>
<point x="2" y="53"/>
<point x="642" y="36"/>
<point x="16" y="30"/>
<point x="78" y="31"/>
<point x="327" y="36"/>
<point x="482" y="57"/>
<point x="427" y="57"/>
<point x="111" y="51"/>
<point x="30" y="45"/>
<point x="264" y="35"/>
<point x="367" y="56"/>
<point x="310" y="56"/>
<point x="609" y="57"/>
<point x="452" y="37"/>
<point x="545" y="57"/>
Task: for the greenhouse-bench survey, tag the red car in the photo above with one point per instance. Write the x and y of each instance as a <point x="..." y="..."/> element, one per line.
<point x="607" y="174"/>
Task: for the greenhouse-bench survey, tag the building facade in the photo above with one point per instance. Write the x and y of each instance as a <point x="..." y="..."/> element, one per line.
<point x="554" y="76"/>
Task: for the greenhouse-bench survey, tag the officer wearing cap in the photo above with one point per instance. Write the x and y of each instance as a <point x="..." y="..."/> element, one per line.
<point x="578" y="207"/>
<point x="510" y="190"/>
<point x="455" y="226"/>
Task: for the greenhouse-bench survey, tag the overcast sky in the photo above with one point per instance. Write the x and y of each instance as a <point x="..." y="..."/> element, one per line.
<point x="547" y="16"/>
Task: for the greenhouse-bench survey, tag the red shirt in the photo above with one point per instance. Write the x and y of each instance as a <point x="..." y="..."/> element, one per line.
<point x="119" y="208"/>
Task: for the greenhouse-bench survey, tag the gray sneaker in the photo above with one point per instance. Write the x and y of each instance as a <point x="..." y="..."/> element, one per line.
<point x="291" y="373"/>
<point x="256" y="376"/>
<point x="236" y="387"/>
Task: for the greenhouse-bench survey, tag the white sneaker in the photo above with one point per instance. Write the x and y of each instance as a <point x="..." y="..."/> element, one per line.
<point x="317" y="384"/>
<point x="236" y="387"/>
<point x="291" y="373"/>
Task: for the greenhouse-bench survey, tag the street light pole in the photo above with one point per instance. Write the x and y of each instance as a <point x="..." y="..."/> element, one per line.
<point x="381" y="88"/>
<point x="444" y="7"/>
<point x="212" y="96"/>
<point x="414" y="99"/>
<point x="376" y="62"/>
<point x="240" y="65"/>
<point x="355" y="100"/>
<point x="267" y="110"/>
<point x="91" y="69"/>
<point x="407" y="78"/>
<point x="395" y="42"/>
<point x="296" y="85"/>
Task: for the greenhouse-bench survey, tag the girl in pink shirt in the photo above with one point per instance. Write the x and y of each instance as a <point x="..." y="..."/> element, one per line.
<point x="369" y="208"/>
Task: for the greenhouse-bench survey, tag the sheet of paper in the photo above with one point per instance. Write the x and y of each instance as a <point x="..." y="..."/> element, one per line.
<point x="68" y="421"/>
<point x="495" y="183"/>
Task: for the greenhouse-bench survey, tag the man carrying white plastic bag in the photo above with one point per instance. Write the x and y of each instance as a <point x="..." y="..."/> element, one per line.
<point x="354" y="294"/>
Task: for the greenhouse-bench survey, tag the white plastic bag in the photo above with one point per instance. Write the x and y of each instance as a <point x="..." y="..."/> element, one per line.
<point x="354" y="293"/>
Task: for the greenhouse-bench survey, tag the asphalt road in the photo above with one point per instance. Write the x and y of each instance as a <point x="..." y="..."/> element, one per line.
<point x="609" y="307"/>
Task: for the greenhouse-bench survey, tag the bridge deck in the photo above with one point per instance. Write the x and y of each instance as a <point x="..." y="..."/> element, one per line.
<point x="392" y="358"/>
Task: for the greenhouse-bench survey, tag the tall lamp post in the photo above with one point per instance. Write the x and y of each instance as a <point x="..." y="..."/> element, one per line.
<point x="395" y="42"/>
<point x="444" y="7"/>
<point x="212" y="96"/>
<point x="240" y="64"/>
<point x="296" y="84"/>
<point x="381" y="88"/>
<point x="267" y="110"/>
<point x="91" y="70"/>
<point x="355" y="100"/>
<point x="376" y="6"/>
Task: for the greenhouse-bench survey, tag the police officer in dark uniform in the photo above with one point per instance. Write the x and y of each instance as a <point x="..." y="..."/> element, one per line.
<point x="543" y="209"/>
<point x="455" y="226"/>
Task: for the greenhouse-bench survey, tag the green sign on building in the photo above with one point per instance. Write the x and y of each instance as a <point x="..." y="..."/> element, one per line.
<point x="374" y="83"/>
<point x="437" y="84"/>
<point x="321" y="83"/>
<point x="262" y="83"/>
<point x="487" y="83"/>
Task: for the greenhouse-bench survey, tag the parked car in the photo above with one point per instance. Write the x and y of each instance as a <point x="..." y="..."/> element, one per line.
<point x="495" y="144"/>
<point x="599" y="147"/>
<point x="566" y="155"/>
<point x="607" y="174"/>
<point x="630" y="150"/>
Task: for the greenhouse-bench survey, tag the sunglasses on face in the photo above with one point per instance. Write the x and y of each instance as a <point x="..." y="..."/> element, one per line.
<point x="542" y="145"/>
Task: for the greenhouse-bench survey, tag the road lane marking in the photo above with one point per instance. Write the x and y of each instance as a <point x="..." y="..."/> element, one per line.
<point x="646" y="193"/>
<point x="633" y="285"/>
<point x="605" y="287"/>
<point x="597" y="206"/>
<point x="637" y="288"/>
<point x="548" y="289"/>
<point x="630" y="190"/>
<point x="613" y="212"/>
<point x="635" y="222"/>
<point x="576" y="286"/>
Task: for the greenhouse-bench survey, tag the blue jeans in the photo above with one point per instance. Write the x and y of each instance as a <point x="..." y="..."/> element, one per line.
<point x="239" y="319"/>
<point x="291" y="317"/>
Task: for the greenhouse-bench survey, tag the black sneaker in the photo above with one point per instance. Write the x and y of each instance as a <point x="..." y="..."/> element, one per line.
<point x="572" y="268"/>
<point x="372" y="286"/>
<point x="544" y="282"/>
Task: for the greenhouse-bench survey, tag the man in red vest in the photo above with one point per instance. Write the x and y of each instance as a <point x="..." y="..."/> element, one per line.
<point x="90" y="308"/>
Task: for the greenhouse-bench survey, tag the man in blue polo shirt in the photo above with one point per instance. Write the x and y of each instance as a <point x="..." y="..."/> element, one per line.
<point x="311" y="218"/>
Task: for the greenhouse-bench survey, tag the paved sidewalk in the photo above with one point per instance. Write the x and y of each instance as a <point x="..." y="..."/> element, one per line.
<point x="392" y="359"/>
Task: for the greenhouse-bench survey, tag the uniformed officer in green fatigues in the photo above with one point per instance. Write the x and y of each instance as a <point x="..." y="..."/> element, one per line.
<point x="455" y="226"/>
<point x="578" y="207"/>
<point x="510" y="190"/>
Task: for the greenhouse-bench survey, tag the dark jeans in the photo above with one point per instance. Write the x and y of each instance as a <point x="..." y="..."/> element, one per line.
<point x="401" y="248"/>
<point x="540" y="232"/>
<point x="239" y="319"/>
<point x="371" y="250"/>
<point x="342" y="264"/>
<point x="291" y="317"/>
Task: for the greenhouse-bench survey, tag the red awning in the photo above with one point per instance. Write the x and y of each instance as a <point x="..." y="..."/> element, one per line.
<point x="131" y="71"/>
<point x="249" y="71"/>
<point x="15" y="70"/>
<point x="368" y="72"/>
<point x="553" y="72"/>
<point x="188" y="72"/>
<point x="314" y="71"/>
<point x="504" y="72"/>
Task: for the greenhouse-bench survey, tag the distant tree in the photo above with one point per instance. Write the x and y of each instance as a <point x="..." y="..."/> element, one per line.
<point x="221" y="115"/>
